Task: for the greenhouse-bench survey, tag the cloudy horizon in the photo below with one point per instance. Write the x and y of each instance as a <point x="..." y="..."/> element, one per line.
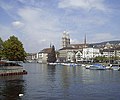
<point x="37" y="23"/>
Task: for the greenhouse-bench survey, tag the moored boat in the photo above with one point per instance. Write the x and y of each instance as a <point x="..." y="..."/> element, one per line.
<point x="114" y="67"/>
<point x="97" y="67"/>
<point x="88" y="66"/>
<point x="11" y="68"/>
<point x="70" y="64"/>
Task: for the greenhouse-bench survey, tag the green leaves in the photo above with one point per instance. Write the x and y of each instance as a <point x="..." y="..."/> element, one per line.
<point x="1" y="48"/>
<point x="52" y="55"/>
<point x="13" y="49"/>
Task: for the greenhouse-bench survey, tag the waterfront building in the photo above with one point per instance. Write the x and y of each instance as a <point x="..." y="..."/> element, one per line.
<point x="71" y="52"/>
<point x="108" y="53"/>
<point x="79" y="56"/>
<point x="31" y="57"/>
<point x="89" y="53"/>
<point x="71" y="56"/>
<point x="117" y="52"/>
<point x="63" y="53"/>
<point x="43" y="55"/>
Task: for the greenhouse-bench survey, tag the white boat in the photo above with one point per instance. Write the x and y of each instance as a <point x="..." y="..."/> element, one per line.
<point x="70" y="64"/>
<point x="115" y="68"/>
<point x="52" y="63"/>
<point x="88" y="66"/>
<point x="97" y="67"/>
<point x="108" y="67"/>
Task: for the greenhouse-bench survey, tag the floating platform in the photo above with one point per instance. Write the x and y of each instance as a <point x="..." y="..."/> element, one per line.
<point x="15" y="73"/>
<point x="10" y="68"/>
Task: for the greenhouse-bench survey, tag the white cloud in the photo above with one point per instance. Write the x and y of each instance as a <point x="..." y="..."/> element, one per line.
<point x="40" y="28"/>
<point x="17" y="24"/>
<point x="84" y="4"/>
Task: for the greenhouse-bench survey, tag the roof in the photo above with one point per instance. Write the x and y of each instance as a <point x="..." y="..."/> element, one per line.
<point x="118" y="48"/>
<point x="108" y="50"/>
<point x="65" y="48"/>
<point x="46" y="50"/>
<point x="77" y="44"/>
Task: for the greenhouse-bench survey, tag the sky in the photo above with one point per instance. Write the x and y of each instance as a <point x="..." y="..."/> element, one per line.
<point x="39" y="23"/>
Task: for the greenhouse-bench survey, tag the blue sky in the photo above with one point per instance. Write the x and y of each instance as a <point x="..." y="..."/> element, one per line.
<point x="37" y="23"/>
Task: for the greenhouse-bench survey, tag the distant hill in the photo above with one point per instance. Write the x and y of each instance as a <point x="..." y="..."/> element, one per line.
<point x="103" y="43"/>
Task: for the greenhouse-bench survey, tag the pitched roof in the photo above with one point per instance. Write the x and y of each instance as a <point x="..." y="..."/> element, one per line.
<point x="46" y="50"/>
<point x="65" y="48"/>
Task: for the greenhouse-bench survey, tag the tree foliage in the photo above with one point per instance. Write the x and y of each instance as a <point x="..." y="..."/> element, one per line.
<point x="52" y="55"/>
<point x="13" y="49"/>
<point x="1" y="48"/>
<point x="101" y="59"/>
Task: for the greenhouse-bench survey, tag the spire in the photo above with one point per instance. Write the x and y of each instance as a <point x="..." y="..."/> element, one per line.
<point x="85" y="41"/>
<point x="50" y="45"/>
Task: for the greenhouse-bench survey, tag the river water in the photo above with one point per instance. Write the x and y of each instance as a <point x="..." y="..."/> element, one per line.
<point x="59" y="82"/>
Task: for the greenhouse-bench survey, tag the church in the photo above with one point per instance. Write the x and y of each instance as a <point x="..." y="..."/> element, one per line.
<point x="71" y="52"/>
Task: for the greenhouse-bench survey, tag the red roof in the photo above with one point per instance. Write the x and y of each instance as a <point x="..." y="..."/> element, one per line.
<point x="46" y="50"/>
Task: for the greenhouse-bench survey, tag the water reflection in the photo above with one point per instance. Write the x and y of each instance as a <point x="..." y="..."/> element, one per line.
<point x="59" y="82"/>
<point x="51" y="69"/>
<point x="11" y="87"/>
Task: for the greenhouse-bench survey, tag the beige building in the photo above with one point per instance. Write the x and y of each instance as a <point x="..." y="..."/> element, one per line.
<point x="63" y="53"/>
<point x="43" y="55"/>
<point x="69" y="54"/>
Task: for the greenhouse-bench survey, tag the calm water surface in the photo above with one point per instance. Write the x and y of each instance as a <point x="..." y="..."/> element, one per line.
<point x="61" y="83"/>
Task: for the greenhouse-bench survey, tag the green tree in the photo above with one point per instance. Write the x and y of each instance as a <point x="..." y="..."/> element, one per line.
<point x="52" y="55"/>
<point x="100" y="59"/>
<point x="1" y="48"/>
<point x="13" y="49"/>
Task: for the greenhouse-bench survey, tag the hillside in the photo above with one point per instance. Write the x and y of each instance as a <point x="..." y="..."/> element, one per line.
<point x="103" y="43"/>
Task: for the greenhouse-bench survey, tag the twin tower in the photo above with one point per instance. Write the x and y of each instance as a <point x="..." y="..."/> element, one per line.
<point x="65" y="39"/>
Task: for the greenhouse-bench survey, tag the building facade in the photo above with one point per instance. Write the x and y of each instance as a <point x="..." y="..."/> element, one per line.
<point x="89" y="53"/>
<point x="79" y="56"/>
<point x="43" y="55"/>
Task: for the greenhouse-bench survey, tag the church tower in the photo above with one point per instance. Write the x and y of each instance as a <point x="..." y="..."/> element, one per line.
<point x="65" y="39"/>
<point x="85" y="43"/>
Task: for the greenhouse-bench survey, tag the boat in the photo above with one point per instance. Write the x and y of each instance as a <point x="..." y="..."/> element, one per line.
<point x="88" y="66"/>
<point x="11" y="68"/>
<point x="70" y="64"/>
<point x="108" y="67"/>
<point x="97" y="67"/>
<point x="52" y="63"/>
<point x="115" y="67"/>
